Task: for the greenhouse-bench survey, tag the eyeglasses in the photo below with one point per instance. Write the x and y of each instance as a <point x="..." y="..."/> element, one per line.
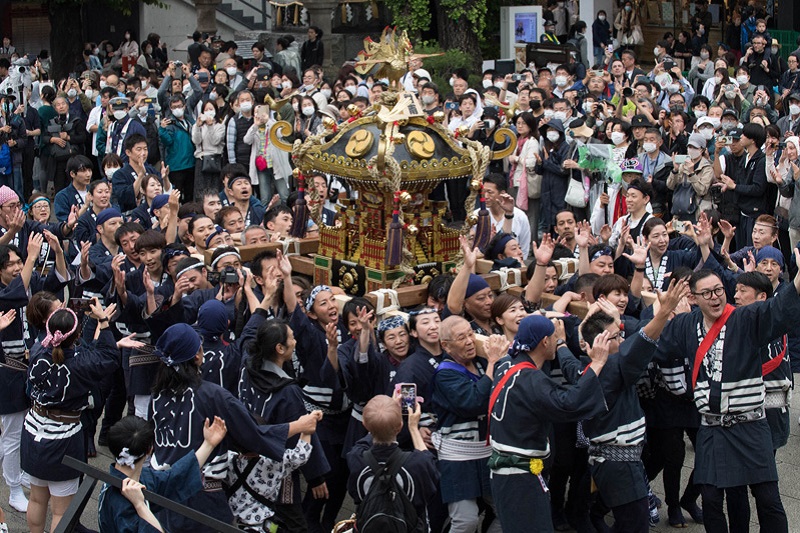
<point x="715" y="292"/>
<point x="12" y="207"/>
<point x="41" y="205"/>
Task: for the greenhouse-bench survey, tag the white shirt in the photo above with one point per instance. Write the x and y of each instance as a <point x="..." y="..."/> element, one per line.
<point x="95" y="116"/>
<point x="520" y="226"/>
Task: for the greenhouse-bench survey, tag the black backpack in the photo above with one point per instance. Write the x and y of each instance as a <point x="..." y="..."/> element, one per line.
<point x="386" y="508"/>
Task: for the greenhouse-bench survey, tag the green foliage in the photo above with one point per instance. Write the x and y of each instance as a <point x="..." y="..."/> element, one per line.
<point x="441" y="66"/>
<point x="473" y="10"/>
<point x="413" y="16"/>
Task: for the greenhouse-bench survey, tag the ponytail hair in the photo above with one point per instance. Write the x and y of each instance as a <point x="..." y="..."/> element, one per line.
<point x="62" y="332"/>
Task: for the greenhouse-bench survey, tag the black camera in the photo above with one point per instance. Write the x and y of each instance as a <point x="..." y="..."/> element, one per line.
<point x="669" y="65"/>
<point x="627" y="92"/>
<point x="178" y="64"/>
<point x="228" y="276"/>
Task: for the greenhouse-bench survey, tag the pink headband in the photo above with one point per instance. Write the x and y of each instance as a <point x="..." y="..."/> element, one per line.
<point x="7" y="194"/>
<point x="55" y="339"/>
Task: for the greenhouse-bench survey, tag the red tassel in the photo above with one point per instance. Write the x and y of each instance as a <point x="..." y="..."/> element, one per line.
<point x="300" y="219"/>
<point x="394" y="237"/>
<point x="483" y="230"/>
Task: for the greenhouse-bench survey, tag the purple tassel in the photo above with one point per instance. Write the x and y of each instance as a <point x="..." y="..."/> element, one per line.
<point x="300" y="218"/>
<point x="394" y="237"/>
<point x="483" y="230"/>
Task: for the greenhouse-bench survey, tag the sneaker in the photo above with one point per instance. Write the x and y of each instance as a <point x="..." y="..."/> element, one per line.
<point x="3" y="527"/>
<point x="654" y="503"/>
<point x="18" y="501"/>
<point x="675" y="517"/>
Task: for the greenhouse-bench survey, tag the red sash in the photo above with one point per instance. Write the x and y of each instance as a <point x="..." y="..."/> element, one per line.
<point x="499" y="387"/>
<point x="775" y="362"/>
<point x="710" y="338"/>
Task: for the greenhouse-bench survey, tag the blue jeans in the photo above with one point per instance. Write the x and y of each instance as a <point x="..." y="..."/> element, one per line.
<point x="268" y="185"/>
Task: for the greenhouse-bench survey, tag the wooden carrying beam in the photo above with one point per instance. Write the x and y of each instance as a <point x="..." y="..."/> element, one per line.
<point x="248" y="252"/>
<point x="575" y="308"/>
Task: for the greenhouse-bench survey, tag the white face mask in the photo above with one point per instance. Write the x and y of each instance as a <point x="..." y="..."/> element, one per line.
<point x="246" y="107"/>
<point x="707" y="133"/>
<point x="500" y="85"/>
<point x="143" y="110"/>
<point x="89" y="94"/>
<point x="72" y="93"/>
<point x="428" y="99"/>
<point x="718" y="79"/>
<point x="210" y="113"/>
<point x="552" y="136"/>
<point x="742" y="80"/>
<point x="673" y="88"/>
<point x="794" y="109"/>
<point x="120" y="114"/>
<point x="561" y="81"/>
<point x="103" y="84"/>
<point x="617" y="137"/>
<point x="703" y="55"/>
<point x="548" y="113"/>
<point x="694" y="153"/>
<point x="699" y="113"/>
<point x="489" y="123"/>
<point x="326" y="93"/>
<point x="599" y="123"/>
<point x="178" y="112"/>
<point x="212" y="96"/>
<point x="650" y="147"/>
<point x="144" y="84"/>
<point x="774" y="50"/>
<point x="349" y="88"/>
<point x="231" y="71"/>
<point x="601" y="17"/>
<point x="714" y="121"/>
<point x="308" y="111"/>
<point x="95" y="51"/>
<point x="587" y="107"/>
<point x="110" y="171"/>
<point x="186" y="89"/>
<point x="487" y="83"/>
<point x="560" y="115"/>
<point x="656" y="51"/>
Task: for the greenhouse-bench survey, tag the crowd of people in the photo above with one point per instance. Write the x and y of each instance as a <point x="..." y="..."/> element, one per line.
<point x="663" y="201"/>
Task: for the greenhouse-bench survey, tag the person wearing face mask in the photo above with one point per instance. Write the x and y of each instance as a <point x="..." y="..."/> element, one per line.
<point x="238" y="150"/>
<point x="698" y="173"/>
<point x="550" y="165"/>
<point x="789" y="124"/>
<point x="705" y="128"/>
<point x="208" y="136"/>
<point x="745" y="87"/>
<point x="655" y="170"/>
<point x="128" y="50"/>
<point x="235" y="77"/>
<point x="628" y="26"/>
<point x="118" y="126"/>
<point x="601" y="36"/>
<point x="563" y="80"/>
<point x="307" y="122"/>
<point x="429" y="96"/>
<point x="175" y="135"/>
<point x="142" y="114"/>
<point x="790" y="79"/>
<point x="702" y="68"/>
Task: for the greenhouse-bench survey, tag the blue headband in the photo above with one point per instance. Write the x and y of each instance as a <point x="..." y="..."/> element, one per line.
<point x="212" y="318"/>
<point x="217" y="231"/>
<point x="107" y="214"/>
<point x="178" y="344"/>
<point x="532" y="329"/>
<point x="314" y="293"/>
<point x="605" y="250"/>
<point x="27" y="207"/>
<point x="395" y="321"/>
<point x="475" y="284"/>
<point x="770" y="252"/>
<point x="499" y="245"/>
<point x="158" y="202"/>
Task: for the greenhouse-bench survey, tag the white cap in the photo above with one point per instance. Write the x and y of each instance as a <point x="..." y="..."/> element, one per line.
<point x="421" y="73"/>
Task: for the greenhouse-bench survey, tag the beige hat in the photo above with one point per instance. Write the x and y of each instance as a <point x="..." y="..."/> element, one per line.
<point x="421" y="73"/>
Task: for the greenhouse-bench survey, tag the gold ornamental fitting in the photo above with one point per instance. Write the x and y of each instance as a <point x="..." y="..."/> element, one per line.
<point x="472" y="219"/>
<point x="438" y="116"/>
<point x="353" y="110"/>
<point x="296" y="173"/>
<point x="463" y="131"/>
<point x="475" y="184"/>
<point x="412" y="229"/>
<point x="405" y="198"/>
<point x="328" y="123"/>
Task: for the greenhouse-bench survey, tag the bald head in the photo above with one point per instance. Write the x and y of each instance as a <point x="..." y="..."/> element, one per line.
<point x="451" y="324"/>
<point x="383" y="418"/>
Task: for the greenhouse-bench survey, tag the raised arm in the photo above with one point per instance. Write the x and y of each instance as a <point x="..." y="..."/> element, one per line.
<point x="542" y="254"/>
<point x="455" y="298"/>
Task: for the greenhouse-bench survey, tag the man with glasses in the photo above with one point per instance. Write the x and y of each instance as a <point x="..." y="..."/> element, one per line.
<point x="719" y="345"/>
<point x="16" y="228"/>
<point x="763" y="69"/>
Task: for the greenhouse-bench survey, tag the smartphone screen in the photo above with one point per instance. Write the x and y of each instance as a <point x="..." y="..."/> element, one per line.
<point x="408" y="397"/>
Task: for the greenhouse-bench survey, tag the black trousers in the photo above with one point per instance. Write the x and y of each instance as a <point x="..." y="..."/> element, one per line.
<point x="667" y="451"/>
<point x="321" y="514"/>
<point x="744" y="232"/>
<point x="115" y="401"/>
<point x="633" y="517"/>
<point x="771" y="515"/>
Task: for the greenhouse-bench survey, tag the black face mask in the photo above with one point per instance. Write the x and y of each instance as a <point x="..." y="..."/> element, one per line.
<point x="535" y="104"/>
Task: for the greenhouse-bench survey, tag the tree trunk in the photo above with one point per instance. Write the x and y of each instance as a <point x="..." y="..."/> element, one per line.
<point x="458" y="34"/>
<point x="66" y="37"/>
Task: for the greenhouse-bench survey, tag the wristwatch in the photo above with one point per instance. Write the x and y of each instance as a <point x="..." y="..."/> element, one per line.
<point x="560" y="343"/>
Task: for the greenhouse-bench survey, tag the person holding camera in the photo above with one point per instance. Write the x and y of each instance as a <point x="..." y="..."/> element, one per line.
<point x="763" y="71"/>
<point x="696" y="171"/>
<point x="65" y="135"/>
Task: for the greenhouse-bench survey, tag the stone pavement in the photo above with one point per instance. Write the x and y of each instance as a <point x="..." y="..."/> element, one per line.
<point x="788" y="469"/>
